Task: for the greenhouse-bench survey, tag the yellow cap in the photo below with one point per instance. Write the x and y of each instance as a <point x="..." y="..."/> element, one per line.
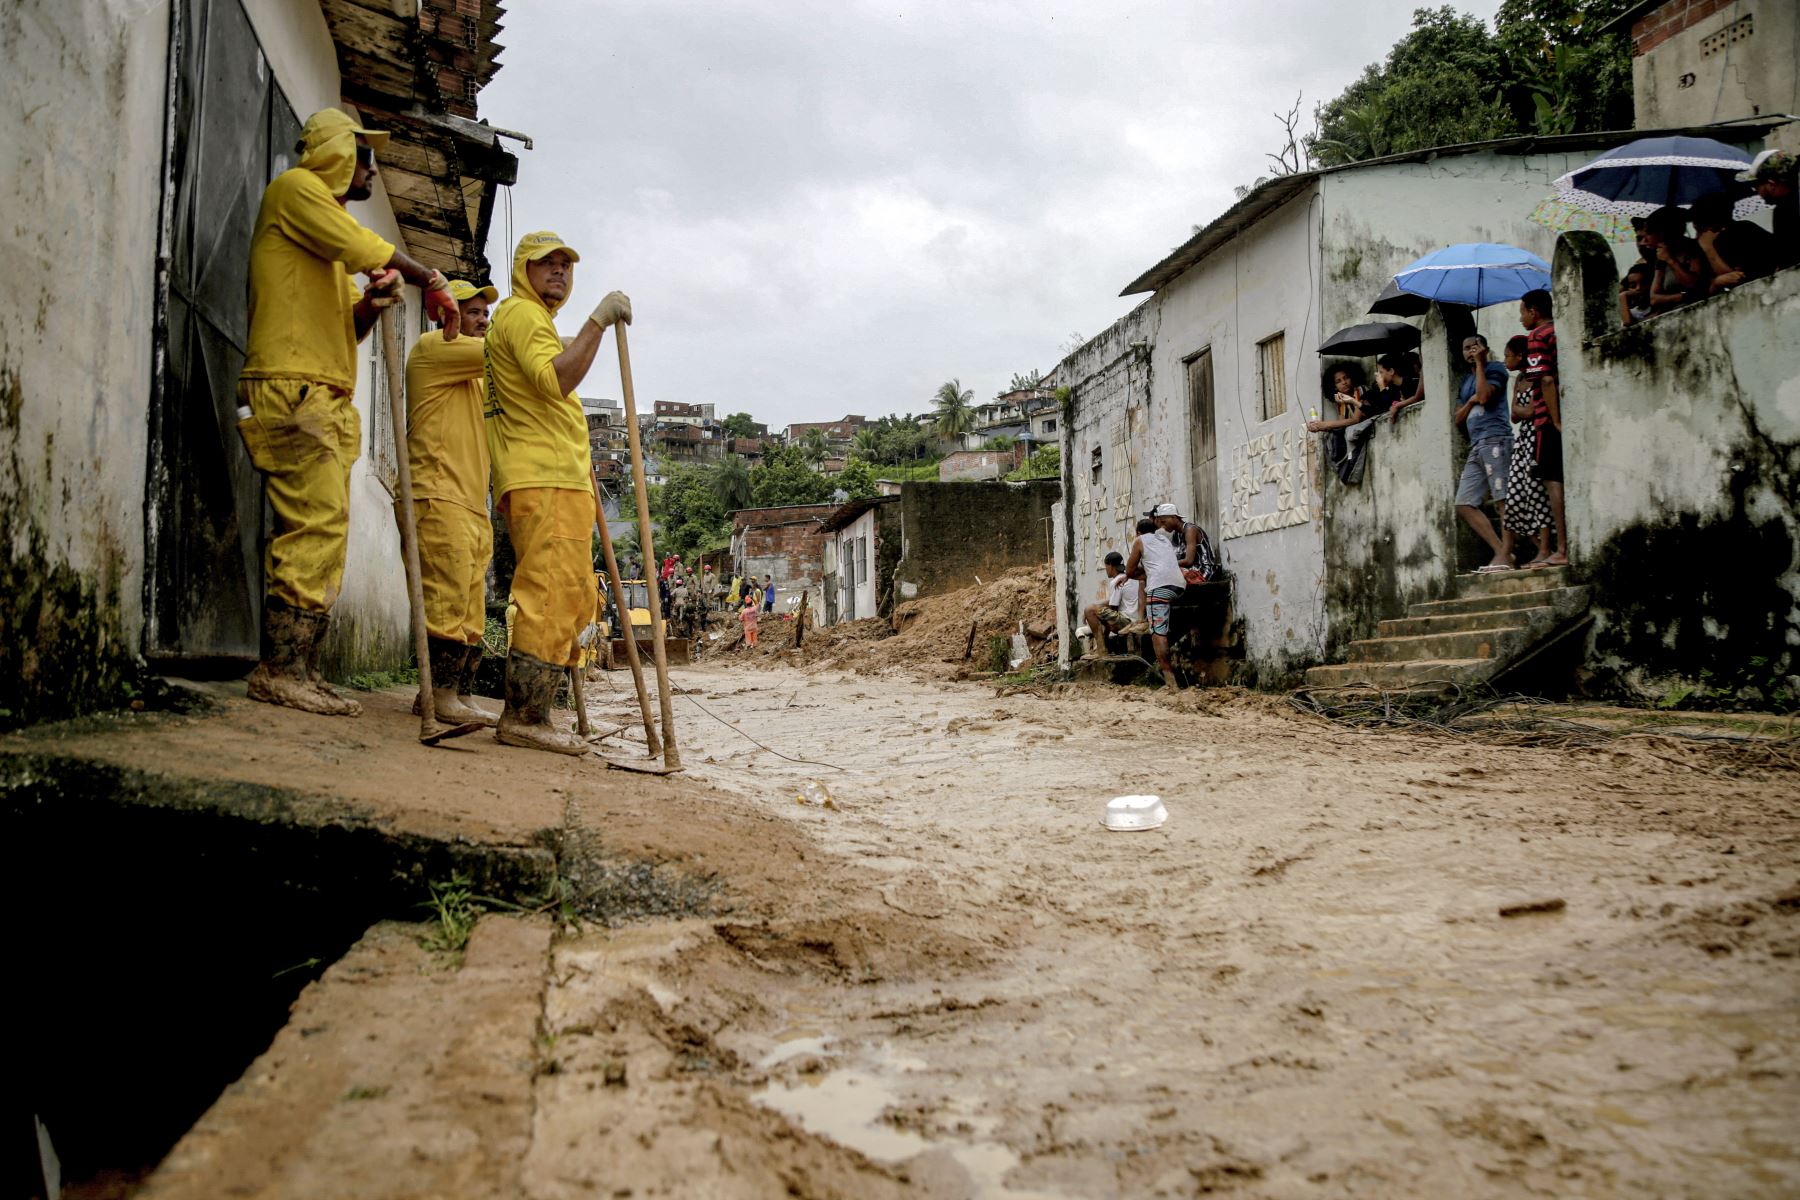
<point x="328" y="122"/>
<point x="462" y="289"/>
<point x="542" y="243"/>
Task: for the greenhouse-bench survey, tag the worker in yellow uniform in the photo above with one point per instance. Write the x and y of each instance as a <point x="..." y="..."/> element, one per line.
<point x="295" y="410"/>
<point x="538" y="442"/>
<point x="446" y="446"/>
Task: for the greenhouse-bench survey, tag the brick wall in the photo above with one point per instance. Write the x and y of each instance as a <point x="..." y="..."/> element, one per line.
<point x="1666" y="20"/>
<point x="786" y="543"/>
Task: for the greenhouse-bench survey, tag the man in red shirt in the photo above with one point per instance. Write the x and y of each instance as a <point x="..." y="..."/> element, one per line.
<point x="1546" y="415"/>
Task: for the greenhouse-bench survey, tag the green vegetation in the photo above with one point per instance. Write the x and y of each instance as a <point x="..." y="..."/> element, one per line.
<point x="1544" y="69"/>
<point x="453" y="906"/>
<point x="857" y="479"/>
<point x="922" y="472"/>
<point x="1044" y="463"/>
<point x="375" y="681"/>
<point x="688" y="513"/>
<point x="786" y="477"/>
<point x="740" y="424"/>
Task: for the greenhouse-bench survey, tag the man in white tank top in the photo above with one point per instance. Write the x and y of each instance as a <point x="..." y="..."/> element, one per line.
<point x="1153" y="560"/>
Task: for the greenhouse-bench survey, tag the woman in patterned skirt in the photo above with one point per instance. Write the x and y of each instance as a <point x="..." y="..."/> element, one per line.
<point x="1527" y="504"/>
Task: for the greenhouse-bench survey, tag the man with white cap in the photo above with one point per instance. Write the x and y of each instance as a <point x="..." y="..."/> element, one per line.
<point x="447" y="450"/>
<point x="295" y="410"/>
<point x="1772" y="176"/>
<point x="538" y="444"/>
<point x="1153" y="560"/>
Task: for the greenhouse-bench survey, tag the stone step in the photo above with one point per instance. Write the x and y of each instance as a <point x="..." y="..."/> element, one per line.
<point x="1451" y="644"/>
<point x="1428" y="675"/>
<point x="1499" y="618"/>
<point x="1566" y="601"/>
<point x="1496" y="583"/>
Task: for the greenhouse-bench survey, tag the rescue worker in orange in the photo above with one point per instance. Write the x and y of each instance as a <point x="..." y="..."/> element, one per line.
<point x="446" y="447"/>
<point x="538" y="444"/>
<point x="295" y="408"/>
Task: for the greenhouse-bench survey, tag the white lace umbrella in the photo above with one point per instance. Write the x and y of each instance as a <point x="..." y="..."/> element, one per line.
<point x="1636" y="179"/>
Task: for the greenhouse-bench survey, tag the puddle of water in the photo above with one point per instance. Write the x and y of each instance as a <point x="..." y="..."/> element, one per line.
<point x="845" y="1106"/>
<point x="794" y="1044"/>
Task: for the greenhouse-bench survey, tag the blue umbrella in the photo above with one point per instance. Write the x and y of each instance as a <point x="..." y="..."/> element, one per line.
<point x="1636" y="179"/>
<point x="1474" y="273"/>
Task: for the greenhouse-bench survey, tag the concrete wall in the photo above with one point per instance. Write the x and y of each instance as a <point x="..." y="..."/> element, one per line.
<point x="1699" y="61"/>
<point x="83" y="91"/>
<point x="857" y="544"/>
<point x="966" y="465"/>
<point x="1683" y="458"/>
<point x="952" y="532"/>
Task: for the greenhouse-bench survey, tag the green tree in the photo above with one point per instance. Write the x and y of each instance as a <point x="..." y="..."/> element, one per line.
<point x="687" y="512"/>
<point x="786" y="477"/>
<point x="1443" y="83"/>
<point x="814" y="445"/>
<point x="867" y="439"/>
<point x="740" y="424"/>
<point x="1566" y="76"/>
<point x="731" y="483"/>
<point x="857" y="479"/>
<point x="1024" y="381"/>
<point x="955" y="409"/>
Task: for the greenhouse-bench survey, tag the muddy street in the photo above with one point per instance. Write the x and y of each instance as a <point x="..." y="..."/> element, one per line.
<point x="1301" y="985"/>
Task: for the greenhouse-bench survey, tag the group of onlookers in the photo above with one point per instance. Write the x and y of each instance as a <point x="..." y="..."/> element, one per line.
<point x="1169" y="554"/>
<point x="1399" y="384"/>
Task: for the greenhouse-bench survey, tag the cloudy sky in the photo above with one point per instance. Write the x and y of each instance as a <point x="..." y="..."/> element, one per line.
<point x="830" y="207"/>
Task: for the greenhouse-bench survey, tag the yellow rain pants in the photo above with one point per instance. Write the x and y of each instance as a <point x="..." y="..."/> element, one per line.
<point x="551" y="531"/>
<point x="455" y="543"/>
<point x="303" y="436"/>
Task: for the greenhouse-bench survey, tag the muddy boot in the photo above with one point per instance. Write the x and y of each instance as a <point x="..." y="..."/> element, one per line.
<point x="465" y="683"/>
<point x="280" y="678"/>
<point x="446" y="677"/>
<point x="317" y="625"/>
<point x="530" y="692"/>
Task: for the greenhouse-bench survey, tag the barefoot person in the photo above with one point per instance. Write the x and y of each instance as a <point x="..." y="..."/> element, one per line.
<point x="295" y="394"/>
<point x="538" y="444"/>
<point x="1120" y="609"/>
<point x="1484" y="415"/>
<point x="446" y="445"/>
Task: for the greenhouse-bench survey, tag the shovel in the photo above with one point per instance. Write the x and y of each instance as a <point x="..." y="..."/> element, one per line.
<point x="430" y="732"/>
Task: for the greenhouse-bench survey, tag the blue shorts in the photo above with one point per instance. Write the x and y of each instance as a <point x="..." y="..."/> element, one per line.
<point x="1156" y="609"/>
<point x="1484" y="472"/>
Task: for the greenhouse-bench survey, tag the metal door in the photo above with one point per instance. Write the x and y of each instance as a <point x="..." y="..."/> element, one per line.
<point x="230" y="131"/>
<point x="1203" y="444"/>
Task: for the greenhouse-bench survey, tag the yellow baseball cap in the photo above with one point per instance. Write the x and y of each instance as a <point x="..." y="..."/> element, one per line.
<point x="538" y="245"/>
<point x="329" y="122"/>
<point x="462" y="289"/>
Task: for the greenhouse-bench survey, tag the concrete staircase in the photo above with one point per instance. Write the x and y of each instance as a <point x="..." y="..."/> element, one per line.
<point x="1488" y="625"/>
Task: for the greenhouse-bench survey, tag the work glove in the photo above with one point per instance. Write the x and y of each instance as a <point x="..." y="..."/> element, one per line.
<point x="613" y="308"/>
<point x="440" y="305"/>
<point x="383" y="289"/>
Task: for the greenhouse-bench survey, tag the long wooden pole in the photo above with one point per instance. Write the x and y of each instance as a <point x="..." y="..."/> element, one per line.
<point x="671" y="755"/>
<point x="429" y="731"/>
<point x="622" y="605"/>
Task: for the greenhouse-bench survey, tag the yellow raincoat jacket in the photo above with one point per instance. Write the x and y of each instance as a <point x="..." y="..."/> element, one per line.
<point x="302" y="250"/>
<point x="537" y="435"/>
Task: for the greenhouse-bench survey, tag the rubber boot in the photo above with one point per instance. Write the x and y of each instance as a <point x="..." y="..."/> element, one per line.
<point x="530" y="692"/>
<point x="288" y="634"/>
<point x="446" y="677"/>
<point x="465" y="683"/>
<point x="317" y="625"/>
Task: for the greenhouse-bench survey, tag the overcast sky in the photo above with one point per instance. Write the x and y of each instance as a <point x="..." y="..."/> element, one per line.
<point x="833" y="207"/>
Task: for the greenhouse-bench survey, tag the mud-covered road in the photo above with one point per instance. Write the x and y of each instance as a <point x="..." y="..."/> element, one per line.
<point x="1300" y="986"/>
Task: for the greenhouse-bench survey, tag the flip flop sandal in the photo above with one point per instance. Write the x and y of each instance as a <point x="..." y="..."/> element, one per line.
<point x="1491" y="569"/>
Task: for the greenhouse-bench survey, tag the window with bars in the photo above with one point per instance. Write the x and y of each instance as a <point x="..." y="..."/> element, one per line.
<point x="1271" y="376"/>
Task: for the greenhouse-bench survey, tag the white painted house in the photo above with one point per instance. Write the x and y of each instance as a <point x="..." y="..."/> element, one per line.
<point x="1200" y="395"/>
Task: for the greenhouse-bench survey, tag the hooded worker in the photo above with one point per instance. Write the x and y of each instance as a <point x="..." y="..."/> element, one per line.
<point x="446" y="447"/>
<point x="538" y="442"/>
<point x="295" y="410"/>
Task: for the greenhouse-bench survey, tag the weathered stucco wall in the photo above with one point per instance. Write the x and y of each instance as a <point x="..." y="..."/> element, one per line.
<point x="82" y="142"/>
<point x="1683" y="481"/>
<point x="1692" y="70"/>
<point x="1391" y="539"/>
<point x="952" y="532"/>
<point x="1264" y="282"/>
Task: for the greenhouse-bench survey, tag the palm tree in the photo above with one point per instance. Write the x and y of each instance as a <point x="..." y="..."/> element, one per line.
<point x="814" y="445"/>
<point x="955" y="411"/>
<point x="731" y="483"/>
<point x="866" y="442"/>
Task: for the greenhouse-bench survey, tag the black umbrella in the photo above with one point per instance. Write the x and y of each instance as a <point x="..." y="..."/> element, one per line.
<point x="1397" y="303"/>
<point x="1375" y="337"/>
